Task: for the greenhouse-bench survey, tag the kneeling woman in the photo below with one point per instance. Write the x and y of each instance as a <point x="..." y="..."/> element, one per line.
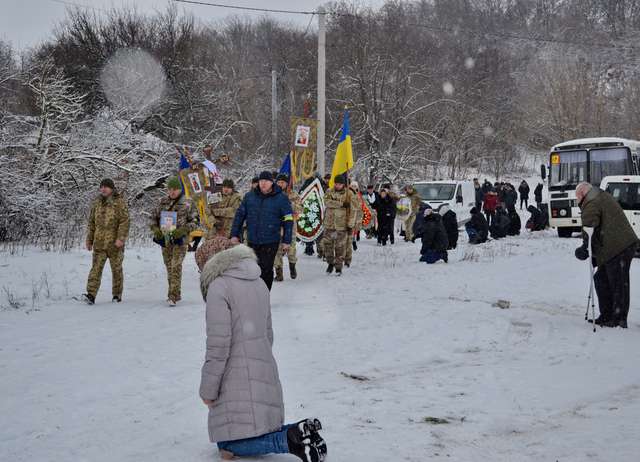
<point x="240" y="382"/>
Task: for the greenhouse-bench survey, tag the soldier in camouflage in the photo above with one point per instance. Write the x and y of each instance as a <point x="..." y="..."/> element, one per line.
<point x="224" y="211"/>
<point x="174" y="242"/>
<point x="339" y="222"/>
<point x="351" y="244"/>
<point x="416" y="202"/>
<point x="107" y="233"/>
<point x="282" y="180"/>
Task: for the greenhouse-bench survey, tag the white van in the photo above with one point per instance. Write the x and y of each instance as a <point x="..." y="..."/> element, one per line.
<point x="626" y="190"/>
<point x="459" y="195"/>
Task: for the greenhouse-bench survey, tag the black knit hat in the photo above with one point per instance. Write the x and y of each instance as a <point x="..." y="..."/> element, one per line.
<point x="340" y="179"/>
<point x="282" y="177"/>
<point x="108" y="183"/>
<point x="266" y="175"/>
<point x="228" y="183"/>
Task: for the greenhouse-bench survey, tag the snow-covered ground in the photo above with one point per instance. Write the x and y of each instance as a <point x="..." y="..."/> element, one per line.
<point x="119" y="383"/>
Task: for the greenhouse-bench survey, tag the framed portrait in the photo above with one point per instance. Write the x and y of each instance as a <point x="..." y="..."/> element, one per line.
<point x="194" y="181"/>
<point x="168" y="221"/>
<point x="303" y="136"/>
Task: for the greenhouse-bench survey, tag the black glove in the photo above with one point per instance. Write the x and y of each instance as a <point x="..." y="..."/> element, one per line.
<point x="582" y="253"/>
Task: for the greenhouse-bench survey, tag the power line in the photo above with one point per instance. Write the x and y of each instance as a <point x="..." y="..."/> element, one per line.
<point x="422" y="26"/>
<point x="245" y="8"/>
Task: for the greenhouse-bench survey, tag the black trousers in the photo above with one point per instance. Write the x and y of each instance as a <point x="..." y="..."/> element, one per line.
<point x="612" y="286"/>
<point x="525" y="202"/>
<point x="266" y="254"/>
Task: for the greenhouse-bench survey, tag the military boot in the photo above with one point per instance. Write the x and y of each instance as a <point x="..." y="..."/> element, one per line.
<point x="292" y="270"/>
<point x="279" y="275"/>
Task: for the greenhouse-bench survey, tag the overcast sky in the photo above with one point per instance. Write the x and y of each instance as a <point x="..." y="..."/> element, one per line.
<point x="26" y="23"/>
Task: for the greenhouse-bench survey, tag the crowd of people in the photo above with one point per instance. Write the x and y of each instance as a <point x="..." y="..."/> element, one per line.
<point x="495" y="215"/>
<point x="250" y="236"/>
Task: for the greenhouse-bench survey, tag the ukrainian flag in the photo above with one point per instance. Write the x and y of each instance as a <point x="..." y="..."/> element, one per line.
<point x="344" y="154"/>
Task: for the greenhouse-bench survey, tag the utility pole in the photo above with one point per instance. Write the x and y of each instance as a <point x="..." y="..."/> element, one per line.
<point x="274" y="113"/>
<point x="322" y="34"/>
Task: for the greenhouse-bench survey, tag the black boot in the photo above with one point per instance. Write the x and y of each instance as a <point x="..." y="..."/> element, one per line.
<point x="301" y="446"/>
<point x="600" y="320"/>
<point x="292" y="270"/>
<point x="116" y="299"/>
<point x="279" y="275"/>
<point x="330" y="268"/>
<point x="90" y="299"/>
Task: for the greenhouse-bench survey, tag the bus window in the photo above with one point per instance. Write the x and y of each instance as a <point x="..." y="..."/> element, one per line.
<point x="627" y="194"/>
<point x="608" y="162"/>
<point x="568" y="168"/>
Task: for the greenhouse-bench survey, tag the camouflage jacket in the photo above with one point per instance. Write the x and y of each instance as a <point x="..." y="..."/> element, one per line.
<point x="296" y="205"/>
<point x="108" y="221"/>
<point x="416" y="202"/>
<point x="224" y="212"/>
<point x="187" y="214"/>
<point x="341" y="209"/>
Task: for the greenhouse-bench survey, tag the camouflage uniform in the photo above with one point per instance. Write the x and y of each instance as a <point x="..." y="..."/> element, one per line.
<point x="173" y="253"/>
<point x="223" y="212"/>
<point x="340" y="216"/>
<point x="416" y="201"/>
<point x="296" y="206"/>
<point x="348" y="257"/>
<point x="108" y="222"/>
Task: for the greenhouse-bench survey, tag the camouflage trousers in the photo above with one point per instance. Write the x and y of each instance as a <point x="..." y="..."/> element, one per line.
<point x="320" y="245"/>
<point x="173" y="256"/>
<point x="100" y="257"/>
<point x="292" y="255"/>
<point x="408" y="227"/>
<point x="335" y="247"/>
<point x="348" y="249"/>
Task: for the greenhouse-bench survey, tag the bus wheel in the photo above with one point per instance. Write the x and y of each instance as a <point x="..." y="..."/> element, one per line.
<point x="565" y="232"/>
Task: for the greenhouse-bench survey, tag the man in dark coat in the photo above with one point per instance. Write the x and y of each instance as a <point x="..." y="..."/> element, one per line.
<point x="269" y="217"/>
<point x="386" y="211"/>
<point x="477" y="228"/>
<point x="613" y="246"/>
<point x="537" y="193"/>
<point x="500" y="226"/>
<point x="450" y="222"/>
<point x="433" y="234"/>
<point x="479" y="193"/>
<point x="510" y="197"/>
<point x="515" y="223"/>
<point x="524" y="190"/>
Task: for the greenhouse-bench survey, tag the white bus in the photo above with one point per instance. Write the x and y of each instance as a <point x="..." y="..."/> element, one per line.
<point x="589" y="160"/>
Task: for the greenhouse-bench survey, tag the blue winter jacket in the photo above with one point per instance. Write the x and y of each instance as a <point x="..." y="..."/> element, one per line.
<point x="266" y="216"/>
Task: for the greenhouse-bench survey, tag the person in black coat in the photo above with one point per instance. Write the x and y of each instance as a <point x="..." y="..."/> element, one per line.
<point x="524" y="190"/>
<point x="477" y="228"/>
<point x="510" y="197"/>
<point x="537" y="221"/>
<point x="537" y="193"/>
<point x="479" y="192"/>
<point x="515" y="225"/>
<point x="450" y="222"/>
<point x="433" y="234"/>
<point x="500" y="226"/>
<point x="386" y="210"/>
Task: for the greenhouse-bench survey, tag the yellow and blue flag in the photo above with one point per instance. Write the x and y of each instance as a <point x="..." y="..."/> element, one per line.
<point x="344" y="154"/>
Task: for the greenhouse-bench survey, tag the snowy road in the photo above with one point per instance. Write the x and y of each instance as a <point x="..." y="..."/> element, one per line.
<point x="118" y="383"/>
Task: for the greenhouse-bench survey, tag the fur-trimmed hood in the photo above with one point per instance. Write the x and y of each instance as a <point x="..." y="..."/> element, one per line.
<point x="239" y="262"/>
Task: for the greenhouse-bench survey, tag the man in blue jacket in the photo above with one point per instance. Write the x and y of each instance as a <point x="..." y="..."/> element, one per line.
<point x="267" y="212"/>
